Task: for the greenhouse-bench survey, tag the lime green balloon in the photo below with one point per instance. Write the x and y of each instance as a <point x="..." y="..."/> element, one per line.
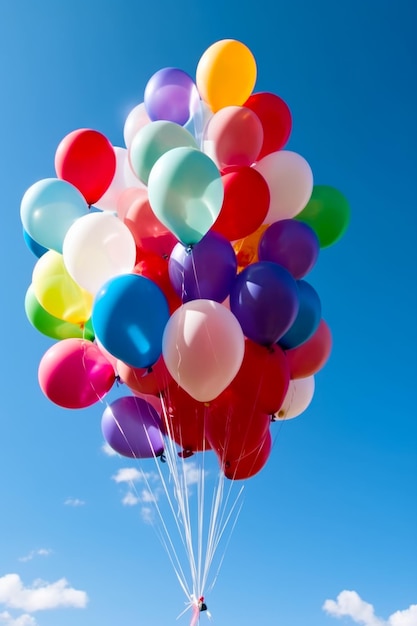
<point x="52" y="326"/>
<point x="327" y="213"/>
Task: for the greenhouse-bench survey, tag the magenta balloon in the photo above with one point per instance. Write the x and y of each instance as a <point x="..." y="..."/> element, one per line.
<point x="172" y="95"/>
<point x="264" y="298"/>
<point x="295" y="248"/>
<point x="132" y="427"/>
<point x="207" y="270"/>
<point x="74" y="373"/>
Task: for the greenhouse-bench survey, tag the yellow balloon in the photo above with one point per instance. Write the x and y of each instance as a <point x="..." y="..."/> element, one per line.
<point x="57" y="292"/>
<point x="226" y="74"/>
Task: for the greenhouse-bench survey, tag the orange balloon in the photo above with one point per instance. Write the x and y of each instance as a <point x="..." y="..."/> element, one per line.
<point x="246" y="249"/>
<point x="226" y="74"/>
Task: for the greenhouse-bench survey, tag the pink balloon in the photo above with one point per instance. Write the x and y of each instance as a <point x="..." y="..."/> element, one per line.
<point x="127" y="198"/>
<point x="149" y="233"/>
<point x="203" y="347"/>
<point x="152" y="400"/>
<point x="233" y="136"/>
<point x="74" y="373"/>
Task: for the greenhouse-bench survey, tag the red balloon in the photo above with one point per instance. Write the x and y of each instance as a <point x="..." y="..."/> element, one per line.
<point x="149" y="233"/>
<point x="86" y="159"/>
<point x="312" y="355"/>
<point x="245" y="203"/>
<point x="233" y="428"/>
<point x="74" y="373"/>
<point x="276" y="120"/>
<point x="155" y="267"/>
<point x="184" y="420"/>
<point x="150" y="381"/>
<point x="242" y="468"/>
<point x="263" y="378"/>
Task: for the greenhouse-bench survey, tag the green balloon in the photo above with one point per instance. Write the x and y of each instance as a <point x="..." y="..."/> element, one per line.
<point x="152" y="141"/>
<point x="186" y="193"/>
<point x="52" y="326"/>
<point x="327" y="213"/>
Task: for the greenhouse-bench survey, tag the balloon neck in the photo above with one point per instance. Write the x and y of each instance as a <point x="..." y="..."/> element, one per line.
<point x="189" y="248"/>
<point x="186" y="453"/>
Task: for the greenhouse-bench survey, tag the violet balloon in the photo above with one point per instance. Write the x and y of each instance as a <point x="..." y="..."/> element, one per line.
<point x="171" y="94"/>
<point x="132" y="427"/>
<point x="295" y="248"/>
<point x="307" y="320"/>
<point x="206" y="270"/>
<point x="264" y="298"/>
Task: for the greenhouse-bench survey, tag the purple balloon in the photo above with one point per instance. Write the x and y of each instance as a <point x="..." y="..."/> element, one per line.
<point x="132" y="427"/>
<point x="307" y="320"/>
<point x="295" y="248"/>
<point x="207" y="270"/>
<point x="171" y="94"/>
<point x="264" y="298"/>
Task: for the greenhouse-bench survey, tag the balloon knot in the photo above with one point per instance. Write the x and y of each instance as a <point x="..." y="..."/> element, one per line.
<point x="186" y="453"/>
<point x="189" y="248"/>
<point x="163" y="458"/>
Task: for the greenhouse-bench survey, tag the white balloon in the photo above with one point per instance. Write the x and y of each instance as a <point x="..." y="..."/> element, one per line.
<point x="290" y="181"/>
<point x="123" y="179"/>
<point x="203" y="347"/>
<point x="97" y="247"/>
<point x="298" y="398"/>
<point x="137" y="119"/>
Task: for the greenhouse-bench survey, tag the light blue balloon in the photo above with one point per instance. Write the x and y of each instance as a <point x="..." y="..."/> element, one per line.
<point x="152" y="141"/>
<point x="185" y="192"/>
<point x="48" y="208"/>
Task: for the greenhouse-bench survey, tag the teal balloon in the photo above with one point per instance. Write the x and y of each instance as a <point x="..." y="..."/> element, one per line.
<point x="185" y="192"/>
<point x="48" y="208"/>
<point x="152" y="141"/>
<point x="52" y="326"/>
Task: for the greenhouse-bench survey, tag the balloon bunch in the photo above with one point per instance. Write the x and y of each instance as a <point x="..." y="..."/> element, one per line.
<point x="177" y="265"/>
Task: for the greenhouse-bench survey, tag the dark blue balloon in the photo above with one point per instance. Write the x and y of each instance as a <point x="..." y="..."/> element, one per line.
<point x="264" y="298"/>
<point x="130" y="313"/>
<point x="292" y="244"/>
<point x="307" y="320"/>
<point x="207" y="270"/>
<point x="33" y="245"/>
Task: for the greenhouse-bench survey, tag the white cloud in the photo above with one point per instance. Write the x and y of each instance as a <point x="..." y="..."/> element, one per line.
<point x="148" y="514"/>
<point x="192" y="473"/>
<point x="127" y="475"/>
<point x="40" y="596"/>
<point x="149" y="496"/>
<point x="33" y="553"/>
<point x="408" y="617"/>
<point x="350" y="604"/>
<point x="130" y="499"/>
<point x="108" y="450"/>
<point x="23" y="620"/>
<point x="74" y="502"/>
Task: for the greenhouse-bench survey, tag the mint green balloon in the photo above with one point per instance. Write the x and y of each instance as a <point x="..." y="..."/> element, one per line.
<point x="52" y="326"/>
<point x="48" y="208"/>
<point x="185" y="192"/>
<point x="327" y="213"/>
<point x="152" y="141"/>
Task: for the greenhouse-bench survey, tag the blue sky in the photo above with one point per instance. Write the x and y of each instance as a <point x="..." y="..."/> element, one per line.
<point x="328" y="530"/>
